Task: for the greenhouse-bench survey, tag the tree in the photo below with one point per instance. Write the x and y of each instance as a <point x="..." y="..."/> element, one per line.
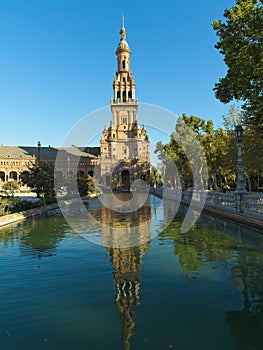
<point x="241" y="43"/>
<point x="173" y="152"/>
<point x="218" y="145"/>
<point x="232" y="118"/>
<point x="82" y="183"/>
<point x="11" y="186"/>
<point x="7" y="205"/>
<point x="40" y="179"/>
<point x="252" y="146"/>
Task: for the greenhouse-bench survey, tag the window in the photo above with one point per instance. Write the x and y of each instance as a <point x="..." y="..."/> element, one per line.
<point x="123" y="79"/>
<point x="124" y="121"/>
<point x="123" y="64"/>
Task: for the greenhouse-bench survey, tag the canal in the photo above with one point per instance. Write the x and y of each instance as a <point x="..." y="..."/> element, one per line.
<point x="198" y="290"/>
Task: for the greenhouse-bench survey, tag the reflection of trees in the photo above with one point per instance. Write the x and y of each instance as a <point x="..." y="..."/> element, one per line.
<point x="239" y="251"/>
<point x="38" y="237"/>
<point x="198" y="246"/>
<point x="126" y="263"/>
<point x="42" y="236"/>
<point x="247" y="325"/>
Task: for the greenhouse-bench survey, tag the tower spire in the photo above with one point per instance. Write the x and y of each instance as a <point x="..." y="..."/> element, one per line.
<point x="122" y="20"/>
<point x="124" y="140"/>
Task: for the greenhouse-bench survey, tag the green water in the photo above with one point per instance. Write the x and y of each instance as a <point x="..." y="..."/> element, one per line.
<point x="200" y="290"/>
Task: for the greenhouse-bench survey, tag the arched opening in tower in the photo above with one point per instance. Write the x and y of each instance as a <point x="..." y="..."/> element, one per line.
<point x="91" y="173"/>
<point x="125" y="179"/>
<point x="124" y="96"/>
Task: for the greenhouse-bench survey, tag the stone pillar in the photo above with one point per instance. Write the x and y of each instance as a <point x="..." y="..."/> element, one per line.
<point x="182" y="179"/>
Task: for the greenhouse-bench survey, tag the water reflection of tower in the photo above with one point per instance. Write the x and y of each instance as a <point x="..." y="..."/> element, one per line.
<point x="126" y="263"/>
<point x="123" y="229"/>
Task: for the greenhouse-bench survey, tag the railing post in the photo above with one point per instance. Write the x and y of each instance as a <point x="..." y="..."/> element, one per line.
<point x="240" y="202"/>
<point x="237" y="202"/>
<point x="217" y="199"/>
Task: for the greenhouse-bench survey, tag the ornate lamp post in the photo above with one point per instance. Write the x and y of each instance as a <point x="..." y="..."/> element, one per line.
<point x="241" y="184"/>
<point x="68" y="168"/>
<point x="38" y="152"/>
<point x="182" y="166"/>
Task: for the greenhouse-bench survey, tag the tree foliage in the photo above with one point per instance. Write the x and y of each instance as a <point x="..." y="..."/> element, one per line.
<point x="10" y="186"/>
<point x="40" y="179"/>
<point x="7" y="204"/>
<point x="241" y="43"/>
<point x="220" y="148"/>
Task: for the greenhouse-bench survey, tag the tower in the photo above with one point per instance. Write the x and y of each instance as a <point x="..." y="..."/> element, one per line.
<point x="124" y="146"/>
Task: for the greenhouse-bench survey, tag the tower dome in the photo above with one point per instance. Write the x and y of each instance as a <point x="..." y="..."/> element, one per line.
<point x="123" y="45"/>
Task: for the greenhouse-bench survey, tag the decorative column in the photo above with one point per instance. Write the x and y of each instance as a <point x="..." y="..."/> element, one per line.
<point x="182" y="179"/>
<point x="241" y="184"/>
<point x="38" y="152"/>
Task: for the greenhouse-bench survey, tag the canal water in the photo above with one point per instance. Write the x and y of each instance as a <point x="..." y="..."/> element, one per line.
<point x="198" y="290"/>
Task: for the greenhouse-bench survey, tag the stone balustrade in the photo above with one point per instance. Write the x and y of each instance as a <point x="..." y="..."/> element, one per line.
<point x="233" y="201"/>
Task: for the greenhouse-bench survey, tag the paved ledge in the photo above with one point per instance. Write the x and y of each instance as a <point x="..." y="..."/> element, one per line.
<point x="11" y="218"/>
<point x="241" y="218"/>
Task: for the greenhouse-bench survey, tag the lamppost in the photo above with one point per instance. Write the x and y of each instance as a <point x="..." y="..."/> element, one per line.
<point x="154" y="178"/>
<point x="38" y="152"/>
<point x="68" y="168"/>
<point x="182" y="160"/>
<point x="241" y="184"/>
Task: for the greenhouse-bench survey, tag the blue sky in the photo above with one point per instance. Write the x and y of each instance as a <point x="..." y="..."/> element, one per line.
<point x="58" y="61"/>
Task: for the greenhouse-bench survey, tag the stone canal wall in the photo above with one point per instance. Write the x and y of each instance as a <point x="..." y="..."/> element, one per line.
<point x="242" y="208"/>
<point x="11" y="218"/>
